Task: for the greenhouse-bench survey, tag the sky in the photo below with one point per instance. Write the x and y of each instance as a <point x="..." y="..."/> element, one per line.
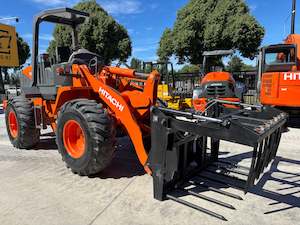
<point x="145" y="20"/>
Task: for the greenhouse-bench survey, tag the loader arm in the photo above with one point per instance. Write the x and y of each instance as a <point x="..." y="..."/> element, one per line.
<point x="120" y="107"/>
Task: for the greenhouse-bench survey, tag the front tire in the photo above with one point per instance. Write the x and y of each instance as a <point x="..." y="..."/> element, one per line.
<point x="20" y="125"/>
<point x="85" y="136"/>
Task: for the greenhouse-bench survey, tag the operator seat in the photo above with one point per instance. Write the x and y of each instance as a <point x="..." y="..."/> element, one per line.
<point x="84" y="57"/>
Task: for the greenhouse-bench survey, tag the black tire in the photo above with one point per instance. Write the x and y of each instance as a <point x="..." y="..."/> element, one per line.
<point x="98" y="128"/>
<point x="28" y="135"/>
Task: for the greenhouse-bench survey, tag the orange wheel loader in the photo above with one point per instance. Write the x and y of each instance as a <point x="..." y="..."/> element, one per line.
<point x="85" y="102"/>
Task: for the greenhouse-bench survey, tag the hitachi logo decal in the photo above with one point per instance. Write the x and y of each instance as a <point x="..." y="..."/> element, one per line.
<point x="291" y="76"/>
<point x="112" y="100"/>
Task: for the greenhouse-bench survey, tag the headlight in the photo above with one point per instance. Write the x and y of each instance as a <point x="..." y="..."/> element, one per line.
<point x="197" y="93"/>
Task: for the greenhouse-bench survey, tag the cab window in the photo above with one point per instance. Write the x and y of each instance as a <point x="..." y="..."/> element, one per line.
<point x="280" y="56"/>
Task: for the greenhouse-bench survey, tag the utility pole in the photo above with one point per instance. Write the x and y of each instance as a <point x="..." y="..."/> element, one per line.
<point x="2" y="89"/>
<point x="293" y="17"/>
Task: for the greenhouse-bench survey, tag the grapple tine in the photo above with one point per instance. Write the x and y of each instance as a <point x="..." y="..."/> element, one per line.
<point x="215" y="189"/>
<point x="251" y="176"/>
<point x="259" y="157"/>
<point x="199" y="208"/>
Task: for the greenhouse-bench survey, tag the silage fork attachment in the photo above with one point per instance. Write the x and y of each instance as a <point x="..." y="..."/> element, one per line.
<point x="180" y="154"/>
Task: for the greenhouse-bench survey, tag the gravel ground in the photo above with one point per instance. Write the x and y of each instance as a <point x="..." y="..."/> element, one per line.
<point x="36" y="188"/>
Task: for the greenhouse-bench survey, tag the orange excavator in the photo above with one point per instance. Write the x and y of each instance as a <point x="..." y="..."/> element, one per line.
<point x="214" y="84"/>
<point x="279" y="73"/>
<point x="86" y="102"/>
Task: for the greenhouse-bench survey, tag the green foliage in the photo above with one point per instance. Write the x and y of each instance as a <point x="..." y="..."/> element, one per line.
<point x="166" y="47"/>
<point x="204" y="25"/>
<point x="23" y="50"/>
<point x="248" y="67"/>
<point x="236" y="64"/>
<point x="136" y="64"/>
<point x="100" y="34"/>
<point x="189" y="69"/>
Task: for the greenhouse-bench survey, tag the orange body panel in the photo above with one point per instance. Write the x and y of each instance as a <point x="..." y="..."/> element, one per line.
<point x="281" y="89"/>
<point x="217" y="76"/>
<point x="201" y="103"/>
<point x="28" y="72"/>
<point x="4" y="104"/>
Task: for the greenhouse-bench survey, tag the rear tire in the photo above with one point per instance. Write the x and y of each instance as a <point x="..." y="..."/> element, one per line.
<point x="92" y="150"/>
<point x="20" y="125"/>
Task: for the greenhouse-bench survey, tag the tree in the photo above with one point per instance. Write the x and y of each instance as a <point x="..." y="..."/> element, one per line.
<point x="166" y="47"/>
<point x="23" y="50"/>
<point x="100" y="34"/>
<point x="235" y="64"/>
<point x="189" y="69"/>
<point x="204" y="25"/>
<point x="136" y="64"/>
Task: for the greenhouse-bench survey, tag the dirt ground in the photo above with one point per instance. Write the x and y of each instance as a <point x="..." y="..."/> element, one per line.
<point x="36" y="188"/>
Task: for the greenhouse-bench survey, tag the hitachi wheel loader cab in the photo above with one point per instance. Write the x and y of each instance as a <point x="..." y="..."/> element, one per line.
<point x="85" y="102"/>
<point x="215" y="83"/>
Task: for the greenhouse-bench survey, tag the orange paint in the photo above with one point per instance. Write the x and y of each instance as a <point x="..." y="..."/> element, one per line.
<point x="28" y="72"/>
<point x="74" y="139"/>
<point x="13" y="124"/>
<point x="201" y="103"/>
<point x="4" y="104"/>
<point x="217" y="76"/>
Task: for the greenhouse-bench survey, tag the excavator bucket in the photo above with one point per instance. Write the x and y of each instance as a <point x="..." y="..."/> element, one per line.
<point x="180" y="154"/>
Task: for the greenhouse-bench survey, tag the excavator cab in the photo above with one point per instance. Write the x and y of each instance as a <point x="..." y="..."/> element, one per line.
<point x="279" y="73"/>
<point x="279" y="76"/>
<point x="215" y="83"/>
<point x="278" y="58"/>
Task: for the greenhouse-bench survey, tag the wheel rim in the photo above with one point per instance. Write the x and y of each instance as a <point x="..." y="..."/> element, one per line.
<point x="13" y="124"/>
<point x="74" y="139"/>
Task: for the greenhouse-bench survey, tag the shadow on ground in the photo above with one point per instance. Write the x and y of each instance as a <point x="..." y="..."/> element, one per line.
<point x="294" y="122"/>
<point x="124" y="163"/>
<point x="289" y="198"/>
<point x="279" y="195"/>
<point x="46" y="144"/>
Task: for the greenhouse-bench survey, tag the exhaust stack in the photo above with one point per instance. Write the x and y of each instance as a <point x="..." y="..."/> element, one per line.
<point x="293" y="17"/>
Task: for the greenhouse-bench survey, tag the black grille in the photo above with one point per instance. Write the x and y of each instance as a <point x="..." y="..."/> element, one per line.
<point x="216" y="90"/>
